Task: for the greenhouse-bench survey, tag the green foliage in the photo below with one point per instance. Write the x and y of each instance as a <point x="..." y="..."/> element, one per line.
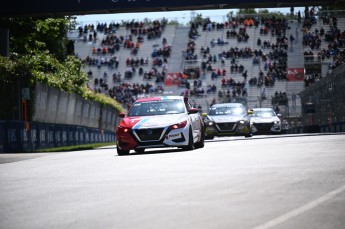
<point x="264" y="11"/>
<point x="37" y="48"/>
<point x="260" y="12"/>
<point x="7" y="70"/>
<point x="198" y="19"/>
<point x="35" y="35"/>
<point x="67" y="76"/>
<point x="247" y="11"/>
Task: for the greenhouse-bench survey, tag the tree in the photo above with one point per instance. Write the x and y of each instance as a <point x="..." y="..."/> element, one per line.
<point x="35" y="35"/>
<point x="38" y="53"/>
<point x="247" y="11"/>
<point x="198" y="19"/>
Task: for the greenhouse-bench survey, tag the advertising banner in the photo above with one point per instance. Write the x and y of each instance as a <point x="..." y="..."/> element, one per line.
<point x="174" y="78"/>
<point x="42" y="135"/>
<point x="34" y="135"/>
<point x="295" y="74"/>
<point x="58" y="135"/>
<point x="64" y="135"/>
<point x="14" y="137"/>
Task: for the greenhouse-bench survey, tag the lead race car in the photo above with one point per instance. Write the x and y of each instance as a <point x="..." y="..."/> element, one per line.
<point x="167" y="121"/>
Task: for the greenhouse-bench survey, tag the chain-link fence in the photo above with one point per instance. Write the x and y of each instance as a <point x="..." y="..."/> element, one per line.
<point x="324" y="101"/>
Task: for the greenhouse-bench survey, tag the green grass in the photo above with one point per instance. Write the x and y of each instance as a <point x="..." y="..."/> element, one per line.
<point x="75" y="147"/>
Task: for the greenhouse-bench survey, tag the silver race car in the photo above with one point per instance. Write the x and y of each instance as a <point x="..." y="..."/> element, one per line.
<point x="227" y="119"/>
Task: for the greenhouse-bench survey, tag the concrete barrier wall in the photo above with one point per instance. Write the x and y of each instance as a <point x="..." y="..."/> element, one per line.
<point x="57" y="107"/>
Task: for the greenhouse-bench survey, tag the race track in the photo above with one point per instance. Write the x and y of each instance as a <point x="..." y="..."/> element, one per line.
<point x="287" y="181"/>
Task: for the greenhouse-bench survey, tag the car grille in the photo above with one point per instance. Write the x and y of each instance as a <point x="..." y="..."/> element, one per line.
<point x="149" y="134"/>
<point x="227" y="126"/>
<point x="264" y="127"/>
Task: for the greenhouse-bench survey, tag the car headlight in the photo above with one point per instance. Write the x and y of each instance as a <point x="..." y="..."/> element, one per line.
<point x="122" y="129"/>
<point x="276" y="122"/>
<point x="241" y="121"/>
<point x="178" y="125"/>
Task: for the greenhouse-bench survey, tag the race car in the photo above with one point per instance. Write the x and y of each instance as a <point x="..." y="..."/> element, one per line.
<point x="265" y="121"/>
<point x="155" y="122"/>
<point x="227" y="119"/>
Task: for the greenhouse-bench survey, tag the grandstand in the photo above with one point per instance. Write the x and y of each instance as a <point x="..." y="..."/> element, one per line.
<point x="136" y="58"/>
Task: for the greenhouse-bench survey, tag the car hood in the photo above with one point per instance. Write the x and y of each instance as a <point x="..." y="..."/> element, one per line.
<point x="264" y="119"/>
<point x="154" y="121"/>
<point x="225" y="118"/>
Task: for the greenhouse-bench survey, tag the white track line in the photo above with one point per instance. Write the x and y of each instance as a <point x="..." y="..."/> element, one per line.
<point x="300" y="210"/>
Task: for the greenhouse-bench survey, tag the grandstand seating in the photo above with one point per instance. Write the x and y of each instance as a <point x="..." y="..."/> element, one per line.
<point x="177" y="37"/>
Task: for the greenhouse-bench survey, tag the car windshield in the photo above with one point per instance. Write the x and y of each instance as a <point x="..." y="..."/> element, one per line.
<point x="157" y="107"/>
<point x="264" y="113"/>
<point x="226" y="111"/>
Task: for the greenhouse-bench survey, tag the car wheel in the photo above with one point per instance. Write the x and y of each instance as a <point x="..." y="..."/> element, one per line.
<point x="139" y="150"/>
<point x="201" y="143"/>
<point x="190" y="145"/>
<point x="209" y="137"/>
<point x="121" y="152"/>
<point x="250" y="134"/>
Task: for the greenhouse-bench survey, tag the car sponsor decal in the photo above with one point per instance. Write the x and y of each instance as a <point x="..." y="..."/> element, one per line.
<point x="174" y="136"/>
<point x="139" y="124"/>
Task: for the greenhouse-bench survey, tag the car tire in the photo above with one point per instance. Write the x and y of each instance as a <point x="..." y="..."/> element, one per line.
<point x="190" y="145"/>
<point x="209" y="137"/>
<point x="250" y="134"/>
<point x="139" y="150"/>
<point x="201" y="143"/>
<point x="121" y="152"/>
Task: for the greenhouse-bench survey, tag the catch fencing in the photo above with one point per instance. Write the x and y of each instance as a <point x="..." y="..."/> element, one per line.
<point x="323" y="103"/>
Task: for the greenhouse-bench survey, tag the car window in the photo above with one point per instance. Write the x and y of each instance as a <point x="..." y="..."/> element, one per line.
<point x="264" y="114"/>
<point x="226" y="111"/>
<point x="158" y="107"/>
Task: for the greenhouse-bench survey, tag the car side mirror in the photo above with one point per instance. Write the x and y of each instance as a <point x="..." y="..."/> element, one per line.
<point x="122" y="115"/>
<point x="193" y="110"/>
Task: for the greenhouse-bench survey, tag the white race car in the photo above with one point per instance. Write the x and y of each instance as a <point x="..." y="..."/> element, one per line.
<point x="265" y="121"/>
<point x="167" y="121"/>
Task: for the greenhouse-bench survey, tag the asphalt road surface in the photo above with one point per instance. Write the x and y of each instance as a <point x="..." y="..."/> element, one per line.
<point x="233" y="183"/>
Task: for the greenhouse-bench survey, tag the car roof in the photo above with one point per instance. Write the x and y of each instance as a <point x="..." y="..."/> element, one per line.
<point x="158" y="98"/>
<point x="228" y="105"/>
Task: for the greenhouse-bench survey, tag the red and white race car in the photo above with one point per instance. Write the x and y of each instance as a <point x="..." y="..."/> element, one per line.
<point x="167" y="121"/>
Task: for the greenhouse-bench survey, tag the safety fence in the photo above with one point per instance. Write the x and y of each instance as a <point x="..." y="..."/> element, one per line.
<point x="323" y="103"/>
<point x="334" y="127"/>
<point x="19" y="136"/>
